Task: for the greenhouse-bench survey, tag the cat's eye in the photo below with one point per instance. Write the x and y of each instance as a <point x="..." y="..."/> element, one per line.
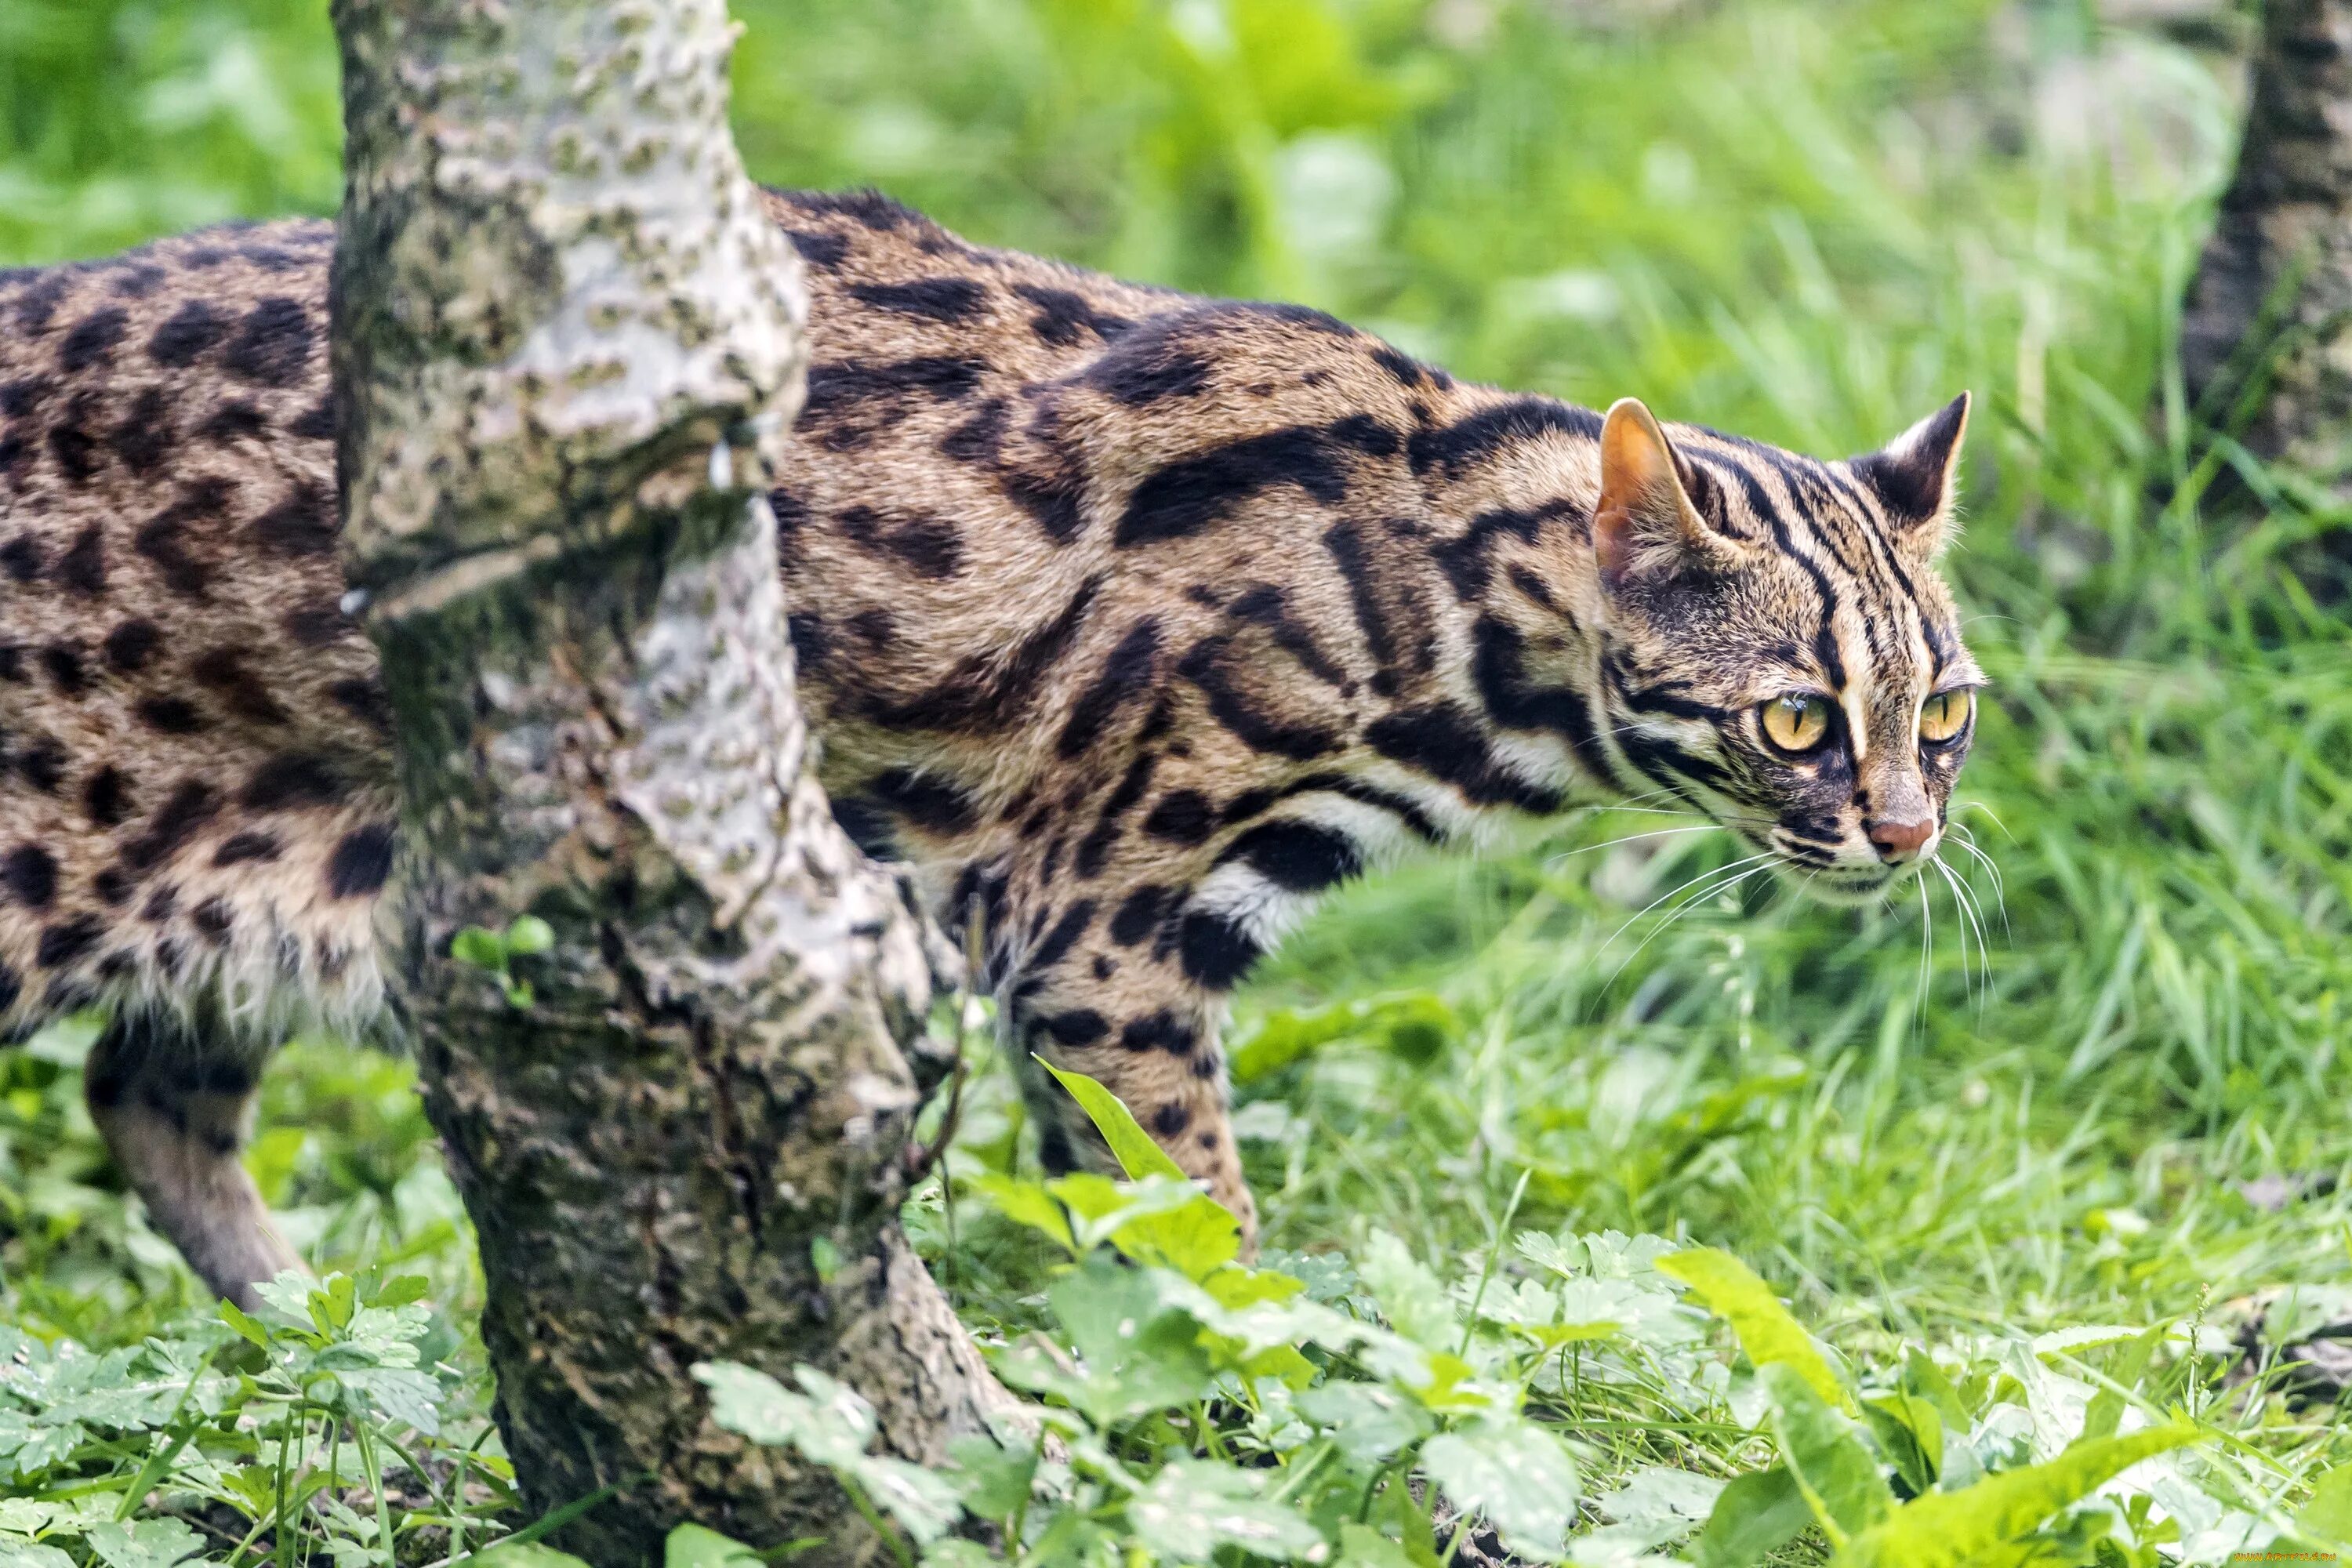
<point x="1943" y="716"/>
<point x="1796" y="722"/>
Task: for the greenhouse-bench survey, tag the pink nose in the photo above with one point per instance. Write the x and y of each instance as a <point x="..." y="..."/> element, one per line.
<point x="1900" y="841"/>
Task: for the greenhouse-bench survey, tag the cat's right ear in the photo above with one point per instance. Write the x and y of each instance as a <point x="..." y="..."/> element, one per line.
<point x="1644" y="521"/>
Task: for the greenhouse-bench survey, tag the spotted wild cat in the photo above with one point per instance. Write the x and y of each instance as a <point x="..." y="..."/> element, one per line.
<point x="1132" y="620"/>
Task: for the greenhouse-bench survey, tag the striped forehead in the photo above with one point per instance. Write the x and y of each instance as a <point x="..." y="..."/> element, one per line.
<point x="1831" y="527"/>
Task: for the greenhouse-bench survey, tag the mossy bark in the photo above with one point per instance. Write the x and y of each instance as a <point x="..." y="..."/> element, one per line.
<point x="2266" y="337"/>
<point x="567" y="346"/>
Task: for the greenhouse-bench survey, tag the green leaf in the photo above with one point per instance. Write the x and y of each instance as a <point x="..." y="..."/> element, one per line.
<point x="1839" y="1478"/>
<point x="1140" y="1354"/>
<point x="1028" y="1203"/>
<point x="1513" y="1472"/>
<point x="1731" y="1291"/>
<point x="142" y="1544"/>
<point x="480" y="949"/>
<point x="530" y="935"/>
<point x="1193" y="1507"/>
<point x="693" y="1546"/>
<point x="1138" y="1155"/>
<point x="526" y="1554"/>
<point x="2327" y="1517"/>
<point x="248" y="1328"/>
<point x="1362" y="1546"/>
<point x="994" y="1479"/>
<point x="1955" y="1529"/>
<point x="1415" y="1304"/>
<point x="1758" y="1514"/>
<point x="1368" y="1421"/>
<point x="1910" y="1431"/>
<point x="27" y="1554"/>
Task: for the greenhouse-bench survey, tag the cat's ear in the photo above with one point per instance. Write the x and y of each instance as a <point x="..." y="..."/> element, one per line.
<point x="1645" y="520"/>
<point x="1915" y="477"/>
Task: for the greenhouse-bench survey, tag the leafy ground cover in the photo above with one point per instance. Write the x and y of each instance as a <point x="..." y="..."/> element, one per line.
<point x="2010" y="1156"/>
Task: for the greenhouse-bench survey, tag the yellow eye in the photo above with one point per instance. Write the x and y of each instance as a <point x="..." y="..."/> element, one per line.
<point x="1797" y="723"/>
<point x="1945" y="715"/>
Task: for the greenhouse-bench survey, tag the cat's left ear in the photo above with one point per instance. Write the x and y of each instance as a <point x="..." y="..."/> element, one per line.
<point x="1915" y="477"/>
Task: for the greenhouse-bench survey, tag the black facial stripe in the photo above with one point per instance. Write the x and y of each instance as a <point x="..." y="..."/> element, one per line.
<point x="1760" y="501"/>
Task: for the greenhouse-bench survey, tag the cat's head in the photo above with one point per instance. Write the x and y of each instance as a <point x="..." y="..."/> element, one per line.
<point x="1779" y="648"/>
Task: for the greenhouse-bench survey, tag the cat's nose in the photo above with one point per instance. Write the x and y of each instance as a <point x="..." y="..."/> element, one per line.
<point x="1900" y="841"/>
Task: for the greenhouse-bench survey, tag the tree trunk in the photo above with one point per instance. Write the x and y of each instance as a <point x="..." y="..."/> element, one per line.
<point x="567" y="346"/>
<point x="2266" y="339"/>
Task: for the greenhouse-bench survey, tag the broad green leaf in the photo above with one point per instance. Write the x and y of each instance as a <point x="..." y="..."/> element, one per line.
<point x="1910" y="1432"/>
<point x="1512" y="1471"/>
<point x="2106" y="1412"/>
<point x="1758" y="1514"/>
<point x="924" y="1504"/>
<point x="1029" y="1204"/>
<point x="2327" y="1517"/>
<point x="1824" y="1451"/>
<point x="1193" y="1507"/>
<point x="1662" y="1501"/>
<point x="28" y="1554"/>
<point x="142" y="1544"/>
<point x="955" y="1552"/>
<point x="1731" y="1290"/>
<point x="1416" y="1305"/>
<point x="528" y="935"/>
<point x="526" y="1554"/>
<point x="1140" y="1352"/>
<point x="994" y="1479"/>
<point x="1362" y="1546"/>
<point x="1369" y="1422"/>
<point x="694" y="1546"/>
<point x="1958" y="1529"/>
<point x="1138" y="1155"/>
<point x="478" y="948"/>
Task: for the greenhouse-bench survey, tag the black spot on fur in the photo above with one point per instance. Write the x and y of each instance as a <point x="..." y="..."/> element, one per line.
<point x="144" y="436"/>
<point x="130" y="645"/>
<point x="12" y="664"/>
<point x="1191" y="493"/>
<point x="1206" y="667"/>
<point x="68" y="940"/>
<point x="1445" y="742"/>
<point x="171" y="715"/>
<point x="30" y="874"/>
<point x="192" y="329"/>
<point x="850" y="402"/>
<point x="1137" y="914"/>
<point x="1152" y="367"/>
<point x="1083" y="1028"/>
<point x="1298" y="856"/>
<point x="363" y="699"/>
<point x="164" y="537"/>
<point x="1217" y="952"/>
<point x="1182" y="817"/>
<point x="924" y="541"/>
<point x="1160" y="1031"/>
<point x="43" y="764"/>
<point x="93" y="339"/>
<point x="361" y="862"/>
<point x="1499" y="666"/>
<point x="818" y="249"/>
<point x="987" y="692"/>
<point x="301" y="524"/>
<point x="188" y="808"/>
<point x="22" y="395"/>
<point x="239" y="848"/>
<point x="1063" y="317"/>
<point x="64" y="663"/>
<point x="106" y="797"/>
<point x="82" y="567"/>
<point x="213" y="920"/>
<point x="291" y="782"/>
<point x="1171" y="1119"/>
<point x="932" y="299"/>
<point x="865" y="206"/>
<point x="272" y="343"/>
<point x="224" y="670"/>
<point x="316" y="423"/>
<point x="932" y="804"/>
<point x="21" y="558"/>
<point x="1126" y="673"/>
<point x="1053" y="1151"/>
<point x="1054" y="498"/>
<point x="315" y="625"/>
<point x="809" y="644"/>
<point x="73" y="440"/>
<point x="235" y="421"/>
<point x="1456" y="446"/>
<point x="1058" y="941"/>
<point x="1096" y="847"/>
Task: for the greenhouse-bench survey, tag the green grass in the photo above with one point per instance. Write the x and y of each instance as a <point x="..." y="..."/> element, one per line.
<point x="1808" y="223"/>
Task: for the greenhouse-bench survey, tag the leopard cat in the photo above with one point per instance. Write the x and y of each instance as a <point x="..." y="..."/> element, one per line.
<point x="1129" y="621"/>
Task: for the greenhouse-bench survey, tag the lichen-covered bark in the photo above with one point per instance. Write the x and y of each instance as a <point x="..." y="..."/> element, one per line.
<point x="2267" y="334"/>
<point x="567" y="345"/>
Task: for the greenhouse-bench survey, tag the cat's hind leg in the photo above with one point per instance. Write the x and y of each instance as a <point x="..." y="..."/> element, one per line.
<point x="174" y="1103"/>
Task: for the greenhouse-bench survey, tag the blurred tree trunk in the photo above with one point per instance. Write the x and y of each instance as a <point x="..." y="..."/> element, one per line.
<point x="2267" y="333"/>
<point x="567" y="346"/>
